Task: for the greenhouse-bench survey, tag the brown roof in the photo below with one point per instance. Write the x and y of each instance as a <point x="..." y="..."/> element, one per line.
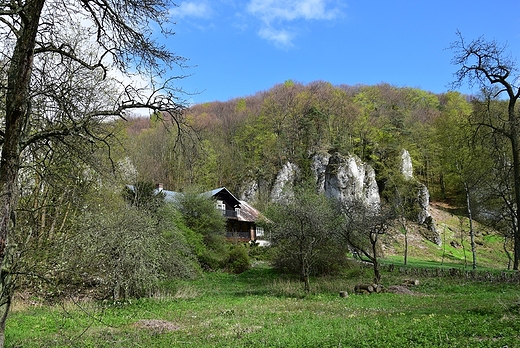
<point x="248" y="213"/>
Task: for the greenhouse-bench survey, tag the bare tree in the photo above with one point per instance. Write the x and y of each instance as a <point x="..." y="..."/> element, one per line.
<point x="486" y="64"/>
<point x="362" y="228"/>
<point x="54" y="54"/>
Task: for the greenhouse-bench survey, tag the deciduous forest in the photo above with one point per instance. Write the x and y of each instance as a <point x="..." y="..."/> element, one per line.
<point x="250" y="138"/>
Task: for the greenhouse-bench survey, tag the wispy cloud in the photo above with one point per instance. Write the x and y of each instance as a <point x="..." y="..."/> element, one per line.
<point x="280" y="37"/>
<point x="196" y="9"/>
<point x="288" y="10"/>
<point x="275" y="14"/>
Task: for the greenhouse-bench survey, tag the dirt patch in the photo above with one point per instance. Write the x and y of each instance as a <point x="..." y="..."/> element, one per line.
<point x="155" y="325"/>
<point x="399" y="289"/>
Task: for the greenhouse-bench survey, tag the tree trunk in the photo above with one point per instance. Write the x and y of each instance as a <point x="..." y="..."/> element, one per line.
<point x="515" y="144"/>
<point x="375" y="264"/>
<point x="307" y="283"/>
<point x="509" y="259"/>
<point x="403" y="223"/>
<point x="16" y="117"/>
<point x="471" y="231"/>
<point x="305" y="271"/>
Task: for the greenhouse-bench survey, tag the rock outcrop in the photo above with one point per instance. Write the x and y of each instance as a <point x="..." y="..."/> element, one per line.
<point x="283" y="185"/>
<point x="345" y="178"/>
<point x="348" y="179"/>
<point x="250" y="191"/>
<point x="406" y="165"/>
<point x="319" y="164"/>
<point x="423" y="216"/>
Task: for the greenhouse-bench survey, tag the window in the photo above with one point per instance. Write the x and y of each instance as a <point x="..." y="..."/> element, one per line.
<point x="259" y="231"/>
<point x="221" y="205"/>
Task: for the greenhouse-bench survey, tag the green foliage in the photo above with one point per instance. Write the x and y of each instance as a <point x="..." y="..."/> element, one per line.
<point x="302" y="232"/>
<point x="403" y="196"/>
<point x="200" y="215"/>
<point x="144" y="195"/>
<point x="331" y="259"/>
<point x="207" y="168"/>
<point x="257" y="140"/>
<point x="261" y="253"/>
<point x="205" y="229"/>
<point x="125" y="250"/>
<point x="238" y="260"/>
<point x="215" y="253"/>
<point x="181" y="245"/>
<point x="241" y="105"/>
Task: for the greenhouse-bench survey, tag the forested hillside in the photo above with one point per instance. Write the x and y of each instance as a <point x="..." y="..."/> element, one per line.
<point x="251" y="138"/>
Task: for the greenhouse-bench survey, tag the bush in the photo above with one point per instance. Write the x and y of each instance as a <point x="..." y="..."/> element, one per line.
<point x="126" y="250"/>
<point x="330" y="260"/>
<point x="214" y="254"/>
<point x="260" y="253"/>
<point x="238" y="260"/>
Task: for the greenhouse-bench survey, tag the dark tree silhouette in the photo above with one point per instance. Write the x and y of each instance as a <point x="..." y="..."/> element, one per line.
<point x="488" y="65"/>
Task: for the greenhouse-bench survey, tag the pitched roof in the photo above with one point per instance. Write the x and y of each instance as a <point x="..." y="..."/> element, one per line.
<point x="223" y="192"/>
<point x="247" y="212"/>
<point x="170" y="196"/>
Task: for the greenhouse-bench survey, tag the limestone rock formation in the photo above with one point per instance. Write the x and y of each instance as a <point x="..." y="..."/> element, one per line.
<point x="345" y="178"/>
<point x="349" y="179"/>
<point x="406" y="165"/>
<point x="250" y="191"/>
<point x="283" y="185"/>
<point x="319" y="167"/>
<point x="423" y="199"/>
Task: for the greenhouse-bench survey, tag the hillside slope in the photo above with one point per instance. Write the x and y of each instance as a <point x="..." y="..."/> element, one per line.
<point x="455" y="250"/>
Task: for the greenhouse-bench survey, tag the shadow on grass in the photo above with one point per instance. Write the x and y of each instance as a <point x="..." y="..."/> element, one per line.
<point x="264" y="280"/>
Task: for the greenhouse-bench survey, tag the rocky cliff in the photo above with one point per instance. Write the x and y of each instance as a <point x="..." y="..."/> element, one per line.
<point x="348" y="179"/>
<point x="423" y="216"/>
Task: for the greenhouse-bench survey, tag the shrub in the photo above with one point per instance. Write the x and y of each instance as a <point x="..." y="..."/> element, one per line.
<point x="330" y="260"/>
<point x="238" y="260"/>
<point x="126" y="250"/>
<point x="260" y="253"/>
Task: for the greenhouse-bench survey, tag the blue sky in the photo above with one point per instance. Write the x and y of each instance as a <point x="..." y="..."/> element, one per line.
<point x="238" y="48"/>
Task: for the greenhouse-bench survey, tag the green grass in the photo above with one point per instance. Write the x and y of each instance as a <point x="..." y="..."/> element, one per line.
<point x="453" y="252"/>
<point x="261" y="308"/>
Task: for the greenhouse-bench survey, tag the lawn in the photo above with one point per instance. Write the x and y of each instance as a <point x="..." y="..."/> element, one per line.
<point x="262" y="308"/>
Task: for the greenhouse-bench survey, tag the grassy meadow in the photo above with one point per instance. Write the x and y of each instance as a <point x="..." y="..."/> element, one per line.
<point x="263" y="308"/>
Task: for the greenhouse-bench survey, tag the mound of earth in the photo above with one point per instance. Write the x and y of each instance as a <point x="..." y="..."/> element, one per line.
<point x="156" y="325"/>
<point x="399" y="289"/>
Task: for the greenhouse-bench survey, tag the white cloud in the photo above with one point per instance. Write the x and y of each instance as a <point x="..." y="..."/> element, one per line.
<point x="281" y="38"/>
<point x="289" y="10"/>
<point x="275" y="14"/>
<point x="200" y="9"/>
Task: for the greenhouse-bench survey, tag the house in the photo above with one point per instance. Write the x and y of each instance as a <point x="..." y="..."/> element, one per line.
<point x="241" y="224"/>
<point x="241" y="216"/>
